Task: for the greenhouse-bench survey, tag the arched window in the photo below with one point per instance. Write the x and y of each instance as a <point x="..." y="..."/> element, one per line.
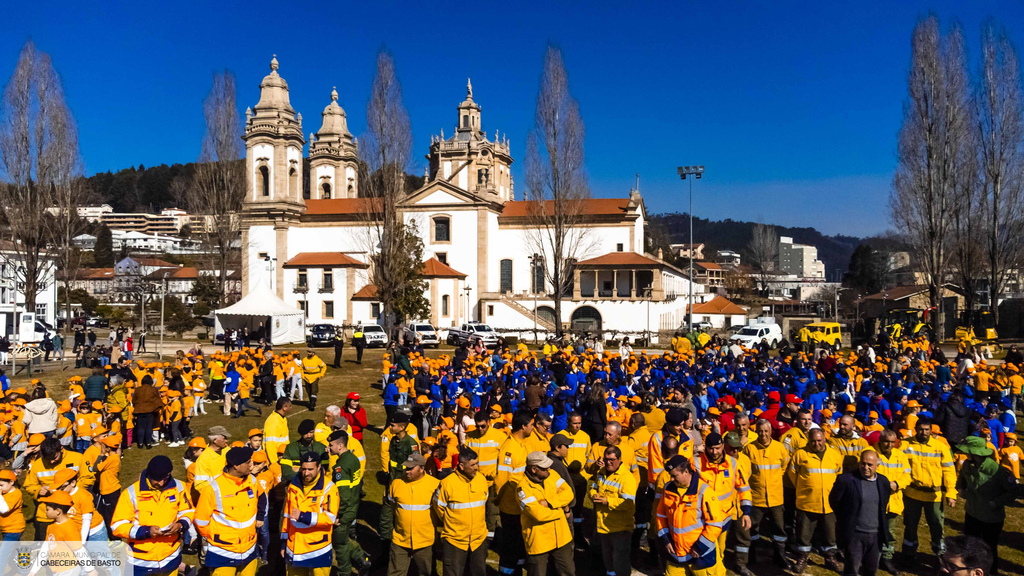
<point x="293" y="183"/>
<point x="546" y="313"/>
<point x="264" y="180"/>
<point x="506" y="276"/>
<point x="442" y="229"/>
<point x="444" y="305"/>
<point x="325" y="190"/>
<point x="586" y="319"/>
<point x="465" y="120"/>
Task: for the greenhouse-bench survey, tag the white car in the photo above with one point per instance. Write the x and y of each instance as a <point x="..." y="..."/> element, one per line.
<point x="426" y="334"/>
<point x="375" y="336"/>
<point x="752" y="335"/>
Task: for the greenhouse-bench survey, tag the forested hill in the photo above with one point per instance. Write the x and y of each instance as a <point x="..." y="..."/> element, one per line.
<point x="139" y="189"/>
<point x="674" y="228"/>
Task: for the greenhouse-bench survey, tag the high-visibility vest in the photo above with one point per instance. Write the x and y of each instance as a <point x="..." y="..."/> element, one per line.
<point x="309" y="536"/>
<point x="724" y="480"/>
<point x="275" y="433"/>
<point x="486" y="447"/>
<point x="511" y="467"/>
<point x="619" y="488"/>
<point x="545" y="528"/>
<point x="461" y="505"/>
<point x="39" y="475"/>
<point x="895" y="467"/>
<point x="767" y="469"/>
<point x="594" y="459"/>
<point x="813" y="475"/>
<point x="692" y="521"/>
<point x="414" y="527"/>
<point x="850" y="448"/>
<point x="656" y="462"/>
<point x="142" y="506"/>
<point x="209" y="465"/>
<point x="932" y="471"/>
<point x="579" y="447"/>
<point x="226" y="516"/>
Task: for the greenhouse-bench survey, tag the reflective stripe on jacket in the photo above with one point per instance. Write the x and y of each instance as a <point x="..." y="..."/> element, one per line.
<point x="461" y="506"/>
<point x="140" y="507"/>
<point x="813" y="476"/>
<point x="932" y="472"/>
<point x="767" y="470"/>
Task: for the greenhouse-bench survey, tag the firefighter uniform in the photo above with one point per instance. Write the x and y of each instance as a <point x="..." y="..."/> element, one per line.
<point x="398" y="452"/>
<point x="794" y="439"/>
<point x="575" y="462"/>
<point x="615" y="519"/>
<point x="275" y="433"/>
<point x="546" y="533"/>
<point x="344" y="474"/>
<point x="209" y="465"/>
<point x="656" y="462"/>
<point x="511" y="467"/>
<point x="724" y="482"/>
<point x="596" y="456"/>
<point x="461" y="506"/>
<point x="486" y="446"/>
<point x="313" y="369"/>
<point x="40" y="474"/>
<point x="141" y="507"/>
<point x="414" y="533"/>
<point x="386" y="461"/>
<point x="309" y="549"/>
<point x="692" y="521"/>
<point x="850" y="448"/>
<point x="895" y="467"/>
<point x="813" y="476"/>
<point x="767" y="470"/>
<point x="932" y="477"/>
<point x="226" y="517"/>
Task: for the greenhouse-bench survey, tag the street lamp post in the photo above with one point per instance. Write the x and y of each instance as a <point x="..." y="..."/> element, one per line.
<point x="163" y="296"/>
<point x="272" y="266"/>
<point x="467" y="289"/>
<point x="696" y="172"/>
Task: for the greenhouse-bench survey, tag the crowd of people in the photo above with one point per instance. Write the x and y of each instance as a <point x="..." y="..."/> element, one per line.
<point x="681" y="454"/>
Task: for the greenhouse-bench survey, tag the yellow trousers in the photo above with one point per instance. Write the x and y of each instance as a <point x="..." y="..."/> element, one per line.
<point x="717" y="570"/>
<point x="248" y="570"/>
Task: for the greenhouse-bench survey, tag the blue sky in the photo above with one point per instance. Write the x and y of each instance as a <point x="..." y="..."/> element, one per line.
<point x="793" y="107"/>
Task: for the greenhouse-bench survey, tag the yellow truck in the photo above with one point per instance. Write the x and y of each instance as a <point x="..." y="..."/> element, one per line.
<point x="826" y="334"/>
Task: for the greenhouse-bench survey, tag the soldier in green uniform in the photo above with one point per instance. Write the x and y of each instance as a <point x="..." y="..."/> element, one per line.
<point x="347" y="552"/>
<point x="401" y="447"/>
<point x="293" y="451"/>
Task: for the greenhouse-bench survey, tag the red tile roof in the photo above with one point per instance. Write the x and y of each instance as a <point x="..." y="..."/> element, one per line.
<point x="175" y="273"/>
<point x="590" y="207"/>
<point x="621" y="259"/>
<point x="323" y="260"/>
<point x="368" y="292"/>
<point x="339" y="206"/>
<point x="718" y="305"/>
<point x="95" y="273"/>
<point x="708" y="265"/>
<point x="155" y="262"/>
<point x="434" y="268"/>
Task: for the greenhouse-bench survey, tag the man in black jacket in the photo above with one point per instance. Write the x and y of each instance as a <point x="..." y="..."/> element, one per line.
<point x="954" y="418"/>
<point x="859" y="500"/>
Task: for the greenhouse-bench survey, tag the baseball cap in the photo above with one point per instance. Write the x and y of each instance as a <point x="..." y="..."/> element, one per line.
<point x="872" y="414"/>
<point x="218" y="431"/>
<point x="559" y="440"/>
<point x="539" y="459"/>
<point x="112" y="441"/>
<point x="197" y="443"/>
<point x="352" y="396"/>
<point x="63" y="475"/>
<point x="733" y="439"/>
<point x="60" y="498"/>
<point x="415" y="459"/>
<point x="8" y="475"/>
<point x="255" y="432"/>
<point x="794" y="399"/>
<point x="36" y="439"/>
<point x="913" y="404"/>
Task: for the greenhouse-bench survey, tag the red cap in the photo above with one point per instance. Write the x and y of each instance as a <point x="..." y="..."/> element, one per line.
<point x="353" y="396"/>
<point x="774" y="395"/>
<point x="729" y="400"/>
<point x="794" y="399"/>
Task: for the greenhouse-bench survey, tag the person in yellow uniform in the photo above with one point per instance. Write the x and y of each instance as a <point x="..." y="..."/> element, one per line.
<point x="275" y="428"/>
<point x="848" y="443"/>
<point x="511" y="467"/>
<point x="544" y="498"/>
<point x="932" y="480"/>
<point x="12" y="519"/>
<point x="673" y="427"/>
<point x="460" y="504"/>
<point x="689" y="524"/>
<point x="307" y="521"/>
<point x="211" y="460"/>
<point x="613" y="492"/>
<point x="575" y="461"/>
<point x="769" y="460"/>
<point x="414" y="532"/>
<point x="612" y="437"/>
<point x="724" y="480"/>
<point x="313" y="369"/>
<point x="894" y="465"/>
<point x="152" y="516"/>
<point x="812" y="471"/>
<point x="39" y="478"/>
<point x="540" y="439"/>
<point x="228" y="515"/>
<point x="486" y="441"/>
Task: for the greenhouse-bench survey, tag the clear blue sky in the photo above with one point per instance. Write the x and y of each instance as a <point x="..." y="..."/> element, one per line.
<point x="792" y="106"/>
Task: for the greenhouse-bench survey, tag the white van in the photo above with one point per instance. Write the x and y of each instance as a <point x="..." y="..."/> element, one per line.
<point x="750" y="336"/>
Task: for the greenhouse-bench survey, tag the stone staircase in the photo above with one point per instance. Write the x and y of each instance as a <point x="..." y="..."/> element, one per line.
<point x="541" y="322"/>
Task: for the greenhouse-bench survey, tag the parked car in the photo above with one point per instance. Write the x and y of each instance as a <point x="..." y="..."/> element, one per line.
<point x="426" y="333"/>
<point x="826" y="334"/>
<point x="467" y="332"/>
<point x="97" y="322"/>
<point x="321" y="335"/>
<point x="752" y="335"/>
<point x="703" y="325"/>
<point x="376" y="337"/>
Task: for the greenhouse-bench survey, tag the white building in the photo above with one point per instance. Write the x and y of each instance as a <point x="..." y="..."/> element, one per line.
<point x="728" y="258"/>
<point x="12" y="292"/>
<point x="94" y="213"/>
<point x="311" y="247"/>
<point x="799" y="259"/>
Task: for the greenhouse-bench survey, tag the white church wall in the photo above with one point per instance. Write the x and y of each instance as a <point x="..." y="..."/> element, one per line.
<point x="261" y="240"/>
<point x="348" y="239"/>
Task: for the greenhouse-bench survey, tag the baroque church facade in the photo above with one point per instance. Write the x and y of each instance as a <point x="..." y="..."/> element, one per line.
<point x="308" y="242"/>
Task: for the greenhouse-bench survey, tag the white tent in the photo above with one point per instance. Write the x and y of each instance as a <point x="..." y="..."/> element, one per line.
<point x="261" y="305"/>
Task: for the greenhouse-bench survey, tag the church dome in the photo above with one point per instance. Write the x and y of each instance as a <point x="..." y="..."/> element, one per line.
<point x="274" y="91"/>
<point x="335" y="123"/>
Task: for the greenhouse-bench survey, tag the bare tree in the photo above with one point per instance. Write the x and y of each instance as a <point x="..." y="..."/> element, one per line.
<point x="1001" y="139"/>
<point x="217" y="188"/>
<point x="933" y="148"/>
<point x="385" y="150"/>
<point x="41" y="162"/>
<point x="968" y="258"/>
<point x="556" y="182"/>
<point x="764" y="251"/>
<point x="62" y="226"/>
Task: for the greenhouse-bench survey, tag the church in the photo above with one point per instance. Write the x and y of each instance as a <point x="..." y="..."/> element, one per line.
<point x="308" y="241"/>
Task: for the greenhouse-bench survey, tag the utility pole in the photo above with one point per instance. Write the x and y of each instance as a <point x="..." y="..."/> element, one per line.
<point x="696" y="172"/>
<point x="163" y="295"/>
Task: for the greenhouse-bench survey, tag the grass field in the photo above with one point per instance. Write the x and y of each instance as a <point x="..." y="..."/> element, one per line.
<point x="365" y="379"/>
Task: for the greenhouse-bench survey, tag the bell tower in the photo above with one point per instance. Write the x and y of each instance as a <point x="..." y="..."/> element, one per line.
<point x="469" y="113"/>
<point x="333" y="156"/>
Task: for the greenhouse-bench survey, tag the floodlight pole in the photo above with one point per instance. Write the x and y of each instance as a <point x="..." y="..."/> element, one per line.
<point x="696" y="172"/>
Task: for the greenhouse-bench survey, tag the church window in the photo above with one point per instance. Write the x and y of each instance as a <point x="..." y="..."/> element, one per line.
<point x="444" y="305"/>
<point x="325" y="190"/>
<point x="537" y="276"/>
<point x="264" y="180"/>
<point x="293" y="183"/>
<point x="442" y="229"/>
<point x="442" y="257"/>
<point x="465" y="120"/>
<point x="506" y="276"/>
<point x="618" y="247"/>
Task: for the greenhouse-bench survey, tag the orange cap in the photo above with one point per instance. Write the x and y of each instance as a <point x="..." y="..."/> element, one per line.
<point x="8" y="475"/>
<point x="36" y="439"/>
<point x="255" y="432"/>
<point x="112" y="441"/>
<point x="463" y="402"/>
<point x="872" y="414"/>
<point x="64" y="475"/>
<point x="237" y="444"/>
<point x="60" y="498"/>
<point x="913" y="404"/>
<point x="259" y="456"/>
<point x="97" y="405"/>
<point x="197" y="443"/>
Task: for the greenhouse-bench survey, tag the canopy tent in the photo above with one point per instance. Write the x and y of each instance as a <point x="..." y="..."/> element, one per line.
<point x="261" y="306"/>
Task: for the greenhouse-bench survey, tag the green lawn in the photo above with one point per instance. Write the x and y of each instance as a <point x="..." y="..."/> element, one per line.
<point x="365" y="379"/>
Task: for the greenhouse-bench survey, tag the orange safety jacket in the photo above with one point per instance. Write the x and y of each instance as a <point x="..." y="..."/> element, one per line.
<point x="226" y="516"/>
<point x="691" y="520"/>
<point x="309" y="536"/>
<point x="138" y="510"/>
